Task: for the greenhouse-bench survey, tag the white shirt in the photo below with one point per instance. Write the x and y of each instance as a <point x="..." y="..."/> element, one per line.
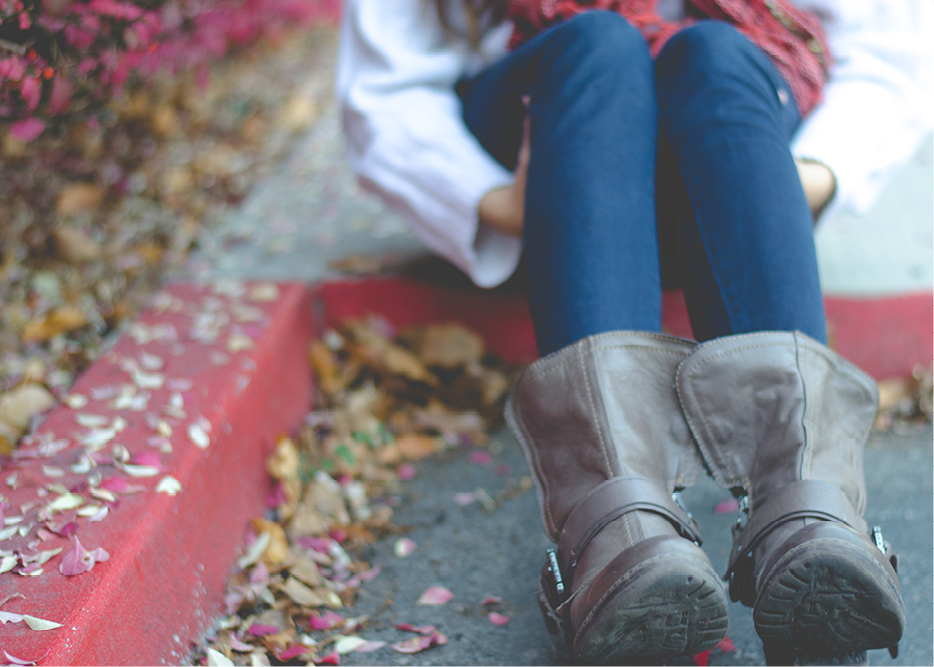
<point x="407" y="141"/>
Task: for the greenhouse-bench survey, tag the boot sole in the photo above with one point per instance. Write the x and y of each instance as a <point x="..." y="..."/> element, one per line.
<point x="830" y="594"/>
<point x="667" y="606"/>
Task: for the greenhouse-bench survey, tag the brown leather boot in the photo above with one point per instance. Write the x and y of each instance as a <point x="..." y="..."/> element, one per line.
<point x="782" y="422"/>
<point x="607" y="444"/>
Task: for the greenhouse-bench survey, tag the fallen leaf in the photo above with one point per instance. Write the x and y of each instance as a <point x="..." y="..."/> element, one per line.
<point x="19" y="405"/>
<point x="40" y="623"/>
<point x="326" y="621"/>
<point x="198" y="436"/>
<point x="301" y="594"/>
<point x="57" y="321"/>
<point x="74" y="246"/>
<point x="489" y="599"/>
<point x="481" y="458"/>
<point x="332" y="658"/>
<point x="348" y="644"/>
<point x="293" y="652"/>
<point x="278" y="547"/>
<point x="420" y="629"/>
<point x="404" y="547"/>
<point x="7" y="617"/>
<point x="79" y="560"/>
<point x="418" y="644"/>
<point x="498" y="619"/>
<point x="450" y="346"/>
<point x="218" y="659"/>
<point x="169" y="485"/>
<point x="727" y="506"/>
<point x="435" y="595"/>
<point x="79" y="197"/>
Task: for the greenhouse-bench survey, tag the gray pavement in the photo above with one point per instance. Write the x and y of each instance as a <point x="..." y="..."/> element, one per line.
<point x="310" y="212"/>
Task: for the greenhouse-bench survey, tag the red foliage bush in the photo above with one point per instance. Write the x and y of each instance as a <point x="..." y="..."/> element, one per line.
<point x="65" y="56"/>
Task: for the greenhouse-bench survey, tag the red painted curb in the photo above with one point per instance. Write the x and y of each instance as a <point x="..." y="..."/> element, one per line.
<point x="885" y="336"/>
<point x="170" y="556"/>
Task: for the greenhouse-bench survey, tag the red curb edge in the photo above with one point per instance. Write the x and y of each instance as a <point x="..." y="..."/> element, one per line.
<point x="885" y="336"/>
<point x="170" y="556"/>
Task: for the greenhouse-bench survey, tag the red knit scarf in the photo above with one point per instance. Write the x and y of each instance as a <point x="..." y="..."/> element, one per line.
<point x="791" y="37"/>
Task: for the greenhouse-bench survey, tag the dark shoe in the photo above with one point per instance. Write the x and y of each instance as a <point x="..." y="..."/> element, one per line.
<point x="607" y="444"/>
<point x="782" y="422"/>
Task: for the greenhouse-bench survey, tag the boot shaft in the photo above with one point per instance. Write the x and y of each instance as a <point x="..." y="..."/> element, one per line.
<point x="769" y="409"/>
<point x="604" y="407"/>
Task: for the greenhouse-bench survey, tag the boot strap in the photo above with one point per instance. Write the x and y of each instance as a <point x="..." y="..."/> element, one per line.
<point x="805" y="499"/>
<point x="609" y="501"/>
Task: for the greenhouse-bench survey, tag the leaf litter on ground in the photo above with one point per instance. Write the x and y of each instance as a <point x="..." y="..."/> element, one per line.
<point x="386" y="399"/>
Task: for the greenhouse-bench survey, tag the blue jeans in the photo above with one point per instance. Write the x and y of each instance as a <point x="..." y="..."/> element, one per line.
<point x="688" y="155"/>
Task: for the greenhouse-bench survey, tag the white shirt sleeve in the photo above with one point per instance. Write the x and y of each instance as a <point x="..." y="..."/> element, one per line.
<point x="876" y="107"/>
<point x="405" y="133"/>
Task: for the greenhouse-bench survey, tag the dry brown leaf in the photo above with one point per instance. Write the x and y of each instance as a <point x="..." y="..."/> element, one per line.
<point x="74" y="246"/>
<point x="56" y="321"/>
<point x="414" y="447"/>
<point x="18" y="406"/>
<point x="324" y="366"/>
<point x="328" y="503"/>
<point x="278" y="549"/>
<point x="304" y="569"/>
<point x="307" y="520"/>
<point x="389" y="357"/>
<point x="283" y="462"/>
<point x="301" y="594"/>
<point x="450" y="346"/>
<point x="78" y="198"/>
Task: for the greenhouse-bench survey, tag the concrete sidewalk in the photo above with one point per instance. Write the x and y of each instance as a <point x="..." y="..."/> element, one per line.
<point x="310" y="212"/>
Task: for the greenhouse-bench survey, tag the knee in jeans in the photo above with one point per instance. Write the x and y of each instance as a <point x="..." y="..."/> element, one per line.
<point x="704" y="48"/>
<point x="601" y="39"/>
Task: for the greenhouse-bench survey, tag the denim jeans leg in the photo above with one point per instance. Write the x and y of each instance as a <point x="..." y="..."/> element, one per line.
<point x="590" y="237"/>
<point x="749" y="262"/>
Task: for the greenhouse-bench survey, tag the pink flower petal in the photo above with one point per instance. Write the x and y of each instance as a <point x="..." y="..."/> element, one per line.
<point x="498" y="619"/>
<point x="293" y="652"/>
<point x="420" y="629"/>
<point x="463" y="499"/>
<point x="490" y="599"/>
<point x="413" y="645"/>
<point x="481" y="458"/>
<point x="259" y="575"/>
<point x="7" y="617"/>
<point x="435" y="595"/>
<point x="115" y="484"/>
<point x="332" y="658"/>
<point x="27" y="130"/>
<point x="238" y="645"/>
<point x="727" y="506"/>
<point x="148" y="459"/>
<point x="13" y="660"/>
<point x="79" y="560"/>
<point x="370" y="646"/>
<point x="259" y="630"/>
<point x="405" y="472"/>
<point x="326" y="621"/>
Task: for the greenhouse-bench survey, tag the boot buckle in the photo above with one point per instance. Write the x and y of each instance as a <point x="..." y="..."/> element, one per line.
<point x="552" y="593"/>
<point x="554" y="570"/>
<point x="879" y="540"/>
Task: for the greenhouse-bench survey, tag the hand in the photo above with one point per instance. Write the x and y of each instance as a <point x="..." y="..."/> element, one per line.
<point x="503" y="209"/>
<point x="818" y="182"/>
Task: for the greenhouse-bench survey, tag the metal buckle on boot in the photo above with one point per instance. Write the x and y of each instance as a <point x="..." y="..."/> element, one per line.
<point x="878" y="539"/>
<point x="552" y="594"/>
<point x="555" y="571"/>
<point x="743" y="517"/>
